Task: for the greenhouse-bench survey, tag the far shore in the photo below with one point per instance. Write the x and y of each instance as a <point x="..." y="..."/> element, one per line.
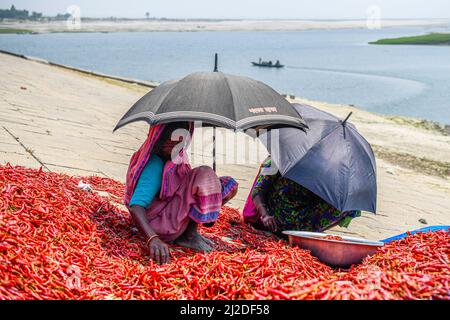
<point x="142" y="25"/>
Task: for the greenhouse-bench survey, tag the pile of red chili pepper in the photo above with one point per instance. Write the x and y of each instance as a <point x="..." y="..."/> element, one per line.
<point x="58" y="241"/>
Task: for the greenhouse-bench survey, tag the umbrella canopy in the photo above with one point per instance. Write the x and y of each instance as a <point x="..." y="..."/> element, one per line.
<point x="332" y="159"/>
<point x="216" y="98"/>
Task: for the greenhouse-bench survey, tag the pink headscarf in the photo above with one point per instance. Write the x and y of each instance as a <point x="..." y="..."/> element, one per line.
<point x="249" y="212"/>
<point x="141" y="157"/>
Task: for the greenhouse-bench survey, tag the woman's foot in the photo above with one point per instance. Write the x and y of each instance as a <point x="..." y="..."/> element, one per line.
<point x="208" y="241"/>
<point x="194" y="241"/>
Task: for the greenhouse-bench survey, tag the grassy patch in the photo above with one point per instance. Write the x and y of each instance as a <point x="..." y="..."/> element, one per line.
<point x="123" y="84"/>
<point x="420" y="123"/>
<point x="408" y="161"/>
<point x="13" y="30"/>
<point x="428" y="39"/>
<point x="131" y="86"/>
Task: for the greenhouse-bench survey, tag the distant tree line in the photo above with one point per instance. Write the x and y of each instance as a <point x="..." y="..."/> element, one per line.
<point x="60" y="16"/>
<point x="13" y="13"/>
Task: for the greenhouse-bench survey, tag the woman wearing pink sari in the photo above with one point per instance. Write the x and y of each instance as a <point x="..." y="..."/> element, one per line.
<point x="167" y="198"/>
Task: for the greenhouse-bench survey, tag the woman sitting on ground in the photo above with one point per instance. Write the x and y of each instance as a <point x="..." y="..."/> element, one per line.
<point x="277" y="204"/>
<point x="167" y="198"/>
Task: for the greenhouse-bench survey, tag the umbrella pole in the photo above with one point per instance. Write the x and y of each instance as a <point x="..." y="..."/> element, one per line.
<point x="345" y="120"/>
<point x="215" y="63"/>
<point x="214" y="128"/>
<point x="214" y="149"/>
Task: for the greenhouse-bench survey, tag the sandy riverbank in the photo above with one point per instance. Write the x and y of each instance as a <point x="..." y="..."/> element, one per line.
<point x="220" y="25"/>
<point x="63" y="120"/>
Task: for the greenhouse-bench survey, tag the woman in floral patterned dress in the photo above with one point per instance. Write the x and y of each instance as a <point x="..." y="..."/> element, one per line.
<point x="276" y="203"/>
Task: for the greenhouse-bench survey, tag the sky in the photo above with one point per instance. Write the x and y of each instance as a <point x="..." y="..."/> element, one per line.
<point x="241" y="9"/>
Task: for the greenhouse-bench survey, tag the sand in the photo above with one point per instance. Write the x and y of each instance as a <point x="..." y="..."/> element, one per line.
<point x="63" y="120"/>
<point x="202" y="25"/>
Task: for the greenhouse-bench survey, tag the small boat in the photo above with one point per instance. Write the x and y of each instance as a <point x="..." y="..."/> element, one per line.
<point x="268" y="64"/>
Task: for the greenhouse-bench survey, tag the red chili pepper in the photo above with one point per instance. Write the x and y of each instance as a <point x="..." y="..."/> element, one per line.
<point x="48" y="226"/>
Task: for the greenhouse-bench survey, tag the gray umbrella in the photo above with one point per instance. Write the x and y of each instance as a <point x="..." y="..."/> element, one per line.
<point x="217" y="99"/>
<point x="332" y="159"/>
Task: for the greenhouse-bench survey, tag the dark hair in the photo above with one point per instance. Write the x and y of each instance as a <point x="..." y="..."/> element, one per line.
<point x="170" y="127"/>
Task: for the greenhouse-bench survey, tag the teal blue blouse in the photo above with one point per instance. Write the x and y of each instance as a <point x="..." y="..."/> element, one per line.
<point x="149" y="182"/>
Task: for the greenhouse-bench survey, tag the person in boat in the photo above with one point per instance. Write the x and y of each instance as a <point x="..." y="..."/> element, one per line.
<point x="167" y="198"/>
<point x="270" y="62"/>
<point x="277" y="63"/>
<point x="276" y="204"/>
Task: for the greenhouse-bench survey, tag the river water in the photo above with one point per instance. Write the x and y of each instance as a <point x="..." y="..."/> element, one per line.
<point x="337" y="66"/>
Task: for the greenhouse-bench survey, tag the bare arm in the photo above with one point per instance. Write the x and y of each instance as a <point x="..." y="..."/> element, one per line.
<point x="159" y="251"/>
<point x="261" y="207"/>
<point x="260" y="204"/>
<point x="138" y="215"/>
<point x="261" y="190"/>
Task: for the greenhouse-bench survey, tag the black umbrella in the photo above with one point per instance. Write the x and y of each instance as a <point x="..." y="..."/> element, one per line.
<point x="217" y="99"/>
<point x="332" y="159"/>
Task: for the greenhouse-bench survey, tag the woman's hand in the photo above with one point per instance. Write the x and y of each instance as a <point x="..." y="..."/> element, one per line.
<point x="269" y="222"/>
<point x="159" y="251"/>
